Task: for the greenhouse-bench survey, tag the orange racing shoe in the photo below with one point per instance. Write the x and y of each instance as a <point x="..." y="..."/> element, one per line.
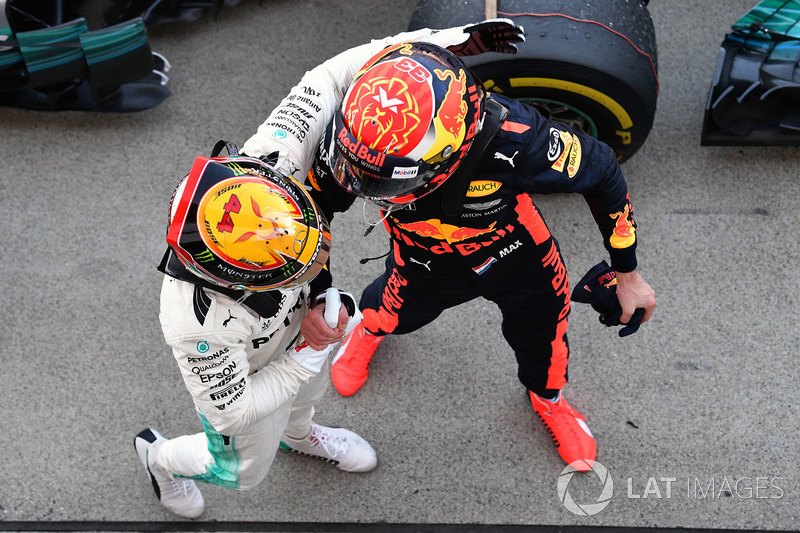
<point x="350" y="366"/>
<point x="571" y="435"/>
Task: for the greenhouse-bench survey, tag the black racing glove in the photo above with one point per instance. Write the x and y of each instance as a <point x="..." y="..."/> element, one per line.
<point x="497" y="35"/>
<point x="598" y="287"/>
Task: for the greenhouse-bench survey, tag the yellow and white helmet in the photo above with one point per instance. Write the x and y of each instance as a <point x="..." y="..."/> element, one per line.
<point x="238" y="223"/>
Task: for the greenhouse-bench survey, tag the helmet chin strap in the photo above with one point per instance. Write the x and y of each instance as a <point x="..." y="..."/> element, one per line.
<point x="233" y="150"/>
<point x="373" y="224"/>
<point x="455" y="187"/>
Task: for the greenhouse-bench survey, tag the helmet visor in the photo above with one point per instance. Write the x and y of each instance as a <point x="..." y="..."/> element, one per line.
<point x="377" y="189"/>
<point x="376" y="176"/>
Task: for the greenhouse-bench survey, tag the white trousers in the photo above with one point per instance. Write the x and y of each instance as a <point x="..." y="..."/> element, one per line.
<point x="242" y="461"/>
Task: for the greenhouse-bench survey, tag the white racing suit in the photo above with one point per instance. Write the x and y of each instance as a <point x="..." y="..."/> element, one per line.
<point x="247" y="391"/>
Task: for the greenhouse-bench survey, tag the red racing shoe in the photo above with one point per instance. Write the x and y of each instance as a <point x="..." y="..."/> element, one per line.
<point x="568" y="428"/>
<point x="350" y="366"/>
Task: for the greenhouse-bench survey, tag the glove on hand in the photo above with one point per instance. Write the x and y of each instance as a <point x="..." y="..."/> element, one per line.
<point x="495" y="35"/>
<point x="314" y="360"/>
<point x="598" y="287"/>
<point x="351" y="305"/>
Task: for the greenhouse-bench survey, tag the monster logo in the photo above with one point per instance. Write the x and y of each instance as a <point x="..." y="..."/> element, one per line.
<point x="204" y="257"/>
<point x="238" y="169"/>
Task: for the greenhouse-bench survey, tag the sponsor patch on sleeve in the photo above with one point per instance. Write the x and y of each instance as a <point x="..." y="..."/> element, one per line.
<point x="574" y="159"/>
<point x="564" y="143"/>
<point x="565" y="151"/>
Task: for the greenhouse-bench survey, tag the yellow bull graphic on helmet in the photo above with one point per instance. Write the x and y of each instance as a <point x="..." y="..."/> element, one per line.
<point x="250" y="225"/>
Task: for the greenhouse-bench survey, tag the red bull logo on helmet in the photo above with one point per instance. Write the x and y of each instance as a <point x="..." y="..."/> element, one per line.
<point x="453" y="110"/>
<point x="449" y="121"/>
<point x="475" y="98"/>
<point x="359" y="152"/>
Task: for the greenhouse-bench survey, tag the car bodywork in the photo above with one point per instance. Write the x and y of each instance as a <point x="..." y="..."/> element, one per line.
<point x="755" y="92"/>
<point x="50" y="61"/>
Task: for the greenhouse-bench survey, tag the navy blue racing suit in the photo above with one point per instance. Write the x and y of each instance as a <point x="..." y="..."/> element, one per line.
<point x="499" y="247"/>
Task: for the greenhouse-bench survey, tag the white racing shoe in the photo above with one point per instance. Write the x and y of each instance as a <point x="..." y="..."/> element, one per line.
<point x="181" y="496"/>
<point x="338" y="446"/>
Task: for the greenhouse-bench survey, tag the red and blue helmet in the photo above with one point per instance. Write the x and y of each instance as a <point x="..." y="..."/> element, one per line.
<point x="405" y="124"/>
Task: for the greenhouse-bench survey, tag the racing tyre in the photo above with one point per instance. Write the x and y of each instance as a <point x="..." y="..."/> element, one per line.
<point x="590" y="65"/>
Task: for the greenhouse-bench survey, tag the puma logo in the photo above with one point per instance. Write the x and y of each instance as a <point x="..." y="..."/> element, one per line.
<point x="498" y="155"/>
<point x="426" y="265"/>
<point x="230" y="317"/>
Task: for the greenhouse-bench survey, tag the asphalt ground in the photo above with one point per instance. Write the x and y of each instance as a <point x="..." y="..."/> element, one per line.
<point x="696" y="416"/>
